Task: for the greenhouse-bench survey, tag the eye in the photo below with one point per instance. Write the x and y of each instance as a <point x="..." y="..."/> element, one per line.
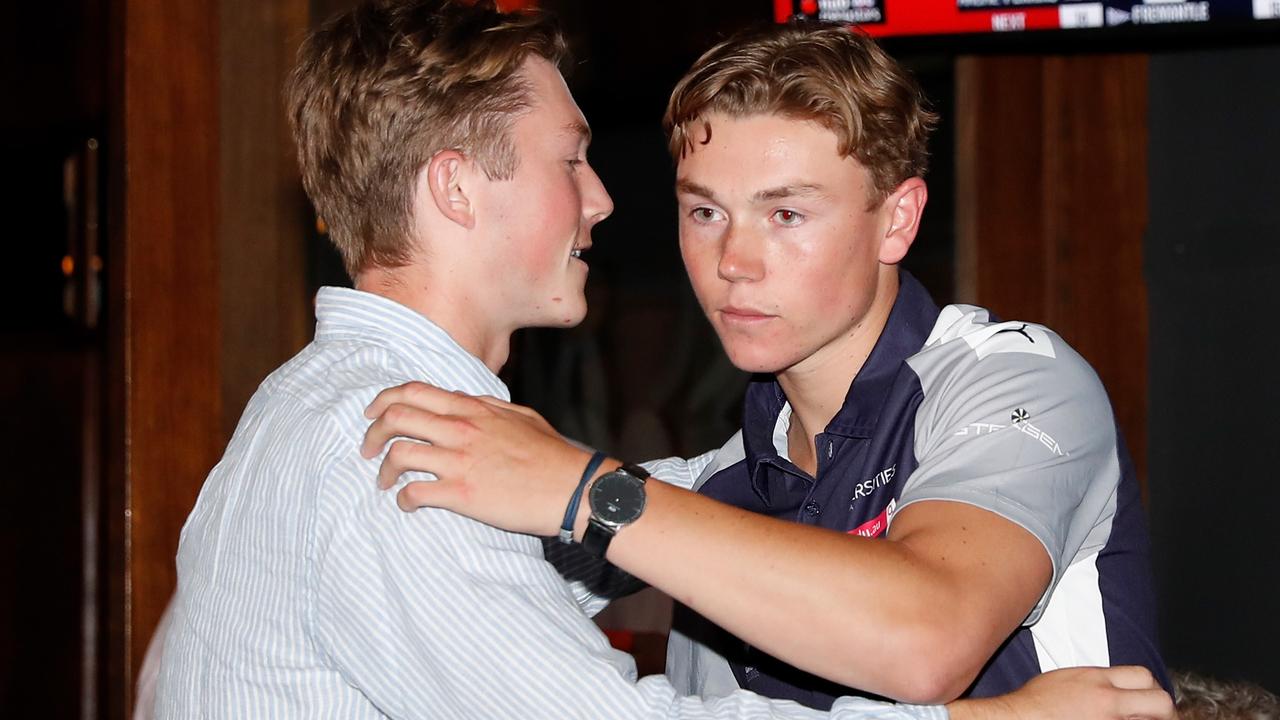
<point x="704" y="214"/>
<point x="788" y="217"/>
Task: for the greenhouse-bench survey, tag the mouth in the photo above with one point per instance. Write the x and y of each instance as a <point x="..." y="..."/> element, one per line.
<point x="736" y="314"/>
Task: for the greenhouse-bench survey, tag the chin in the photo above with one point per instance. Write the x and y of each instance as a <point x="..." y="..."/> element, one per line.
<point x="756" y="360"/>
<point x="567" y="314"/>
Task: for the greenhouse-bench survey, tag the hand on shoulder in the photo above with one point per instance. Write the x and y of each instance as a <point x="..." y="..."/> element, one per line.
<point x="1083" y="693"/>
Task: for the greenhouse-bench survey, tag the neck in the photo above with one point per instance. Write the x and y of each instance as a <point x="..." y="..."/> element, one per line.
<point x="817" y="386"/>
<point x="451" y="305"/>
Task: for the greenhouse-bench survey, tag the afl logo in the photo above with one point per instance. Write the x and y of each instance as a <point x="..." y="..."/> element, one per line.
<point x="1019" y="416"/>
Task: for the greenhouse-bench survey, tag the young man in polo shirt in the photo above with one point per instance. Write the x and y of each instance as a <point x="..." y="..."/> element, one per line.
<point x="924" y="503"/>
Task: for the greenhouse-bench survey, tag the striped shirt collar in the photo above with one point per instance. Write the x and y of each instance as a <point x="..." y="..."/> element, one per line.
<point x="346" y="313"/>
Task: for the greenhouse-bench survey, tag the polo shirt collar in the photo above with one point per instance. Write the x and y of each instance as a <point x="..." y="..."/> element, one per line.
<point x="766" y="412"/>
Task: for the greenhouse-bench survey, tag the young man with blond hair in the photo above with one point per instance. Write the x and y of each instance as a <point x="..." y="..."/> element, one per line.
<point x="441" y="146"/>
<point x="923" y="504"/>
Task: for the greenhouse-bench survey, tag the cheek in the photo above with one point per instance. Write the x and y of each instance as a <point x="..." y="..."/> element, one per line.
<point x="827" y="287"/>
<point x="561" y="195"/>
<point x="541" y="242"/>
<point x="700" y="265"/>
<point x="552" y="202"/>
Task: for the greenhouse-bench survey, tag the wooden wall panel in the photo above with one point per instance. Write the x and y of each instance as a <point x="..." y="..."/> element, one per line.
<point x="266" y="311"/>
<point x="165" y="309"/>
<point x="999" y="178"/>
<point x="1051" y="208"/>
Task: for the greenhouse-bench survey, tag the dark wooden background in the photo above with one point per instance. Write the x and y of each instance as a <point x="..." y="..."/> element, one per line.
<point x="1041" y="209"/>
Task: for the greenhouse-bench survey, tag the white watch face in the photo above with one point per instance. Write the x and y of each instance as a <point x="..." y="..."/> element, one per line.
<point x="617" y="498"/>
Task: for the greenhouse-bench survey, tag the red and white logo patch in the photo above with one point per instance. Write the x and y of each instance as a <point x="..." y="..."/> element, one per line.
<point x="876" y="526"/>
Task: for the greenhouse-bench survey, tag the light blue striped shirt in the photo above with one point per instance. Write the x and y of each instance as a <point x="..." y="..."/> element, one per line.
<point x="304" y="592"/>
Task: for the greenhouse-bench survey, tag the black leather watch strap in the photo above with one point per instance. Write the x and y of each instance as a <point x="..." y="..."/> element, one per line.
<point x="635" y="471"/>
<point x="596" y="538"/>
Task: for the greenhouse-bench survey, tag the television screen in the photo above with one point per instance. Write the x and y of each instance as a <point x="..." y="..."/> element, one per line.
<point x="950" y="17"/>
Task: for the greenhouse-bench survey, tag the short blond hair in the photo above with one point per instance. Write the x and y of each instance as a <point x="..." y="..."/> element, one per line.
<point x="1200" y="697"/>
<point x="837" y="77"/>
<point x="380" y="89"/>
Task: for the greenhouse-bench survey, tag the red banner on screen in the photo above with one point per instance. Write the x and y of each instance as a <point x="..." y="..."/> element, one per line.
<point x="951" y="17"/>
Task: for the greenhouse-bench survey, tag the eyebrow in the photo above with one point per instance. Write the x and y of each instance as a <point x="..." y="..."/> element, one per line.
<point x="579" y="128"/>
<point x="786" y="191"/>
<point x="768" y="194"/>
<point x="686" y="187"/>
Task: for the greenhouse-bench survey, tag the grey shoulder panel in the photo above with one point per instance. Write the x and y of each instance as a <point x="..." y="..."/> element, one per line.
<point x="1013" y="420"/>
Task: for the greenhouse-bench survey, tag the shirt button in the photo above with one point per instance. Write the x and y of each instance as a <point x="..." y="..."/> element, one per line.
<point x="812" y="509"/>
<point x="831" y="449"/>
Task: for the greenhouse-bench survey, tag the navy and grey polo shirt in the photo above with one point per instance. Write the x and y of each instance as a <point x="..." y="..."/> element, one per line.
<point x="952" y="405"/>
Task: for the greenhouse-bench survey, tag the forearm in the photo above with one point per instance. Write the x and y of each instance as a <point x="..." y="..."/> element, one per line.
<point x="986" y="709"/>
<point x="796" y="592"/>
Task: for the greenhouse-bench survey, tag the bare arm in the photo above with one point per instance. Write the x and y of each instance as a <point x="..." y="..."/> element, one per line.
<point x="941" y="593"/>
<point x="941" y="600"/>
<point x="1074" y="694"/>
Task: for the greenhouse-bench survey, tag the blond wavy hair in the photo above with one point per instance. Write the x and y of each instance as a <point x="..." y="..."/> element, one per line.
<point x="1203" y="698"/>
<point x="379" y="89"/>
<point x="829" y="74"/>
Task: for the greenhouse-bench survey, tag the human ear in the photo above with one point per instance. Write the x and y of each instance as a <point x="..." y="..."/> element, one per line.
<point x="904" y="207"/>
<point x="442" y="179"/>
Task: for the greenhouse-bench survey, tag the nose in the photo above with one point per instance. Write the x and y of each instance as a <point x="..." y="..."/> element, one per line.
<point x="596" y="203"/>
<point x="741" y="256"/>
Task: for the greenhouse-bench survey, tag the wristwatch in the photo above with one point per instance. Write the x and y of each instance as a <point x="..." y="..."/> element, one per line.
<point x="616" y="500"/>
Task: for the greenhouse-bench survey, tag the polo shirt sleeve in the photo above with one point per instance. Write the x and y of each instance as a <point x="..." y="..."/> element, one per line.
<point x="1014" y="421"/>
